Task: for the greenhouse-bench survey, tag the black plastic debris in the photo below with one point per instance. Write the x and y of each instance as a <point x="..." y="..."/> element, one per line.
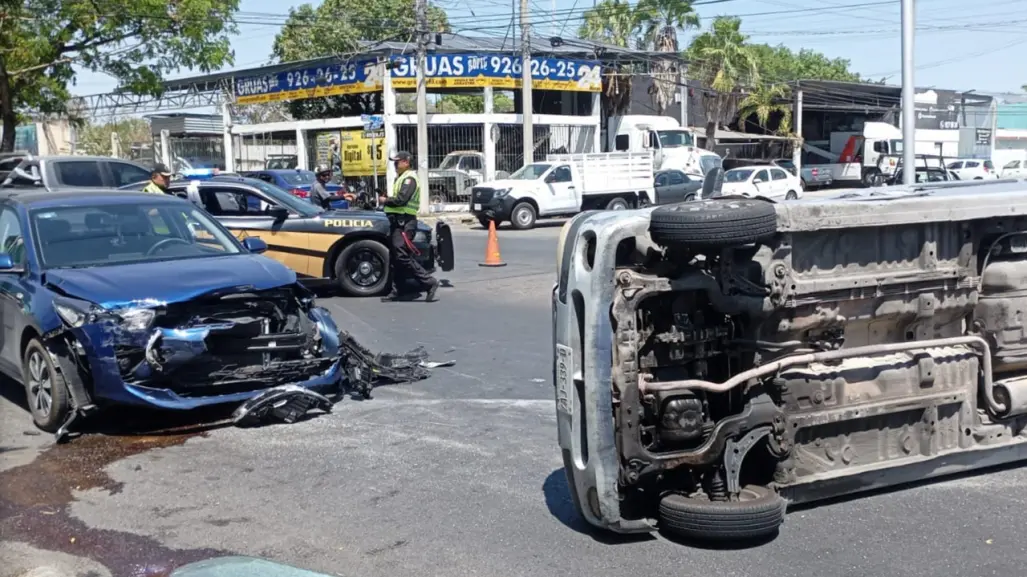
<point x="284" y="404"/>
<point x="365" y="369"/>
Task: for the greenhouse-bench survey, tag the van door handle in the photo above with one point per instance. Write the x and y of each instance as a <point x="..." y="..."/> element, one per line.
<point x="570" y="188"/>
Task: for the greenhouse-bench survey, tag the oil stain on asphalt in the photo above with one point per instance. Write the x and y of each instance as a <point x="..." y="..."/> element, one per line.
<point x="35" y="505"/>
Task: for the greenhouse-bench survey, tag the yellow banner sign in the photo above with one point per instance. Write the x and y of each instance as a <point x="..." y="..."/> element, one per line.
<point x="361" y="155"/>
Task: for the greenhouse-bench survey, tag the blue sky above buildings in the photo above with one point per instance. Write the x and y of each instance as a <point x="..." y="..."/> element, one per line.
<point x="959" y="45"/>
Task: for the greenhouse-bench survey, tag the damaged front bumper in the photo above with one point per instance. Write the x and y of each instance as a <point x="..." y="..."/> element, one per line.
<point x="220" y="349"/>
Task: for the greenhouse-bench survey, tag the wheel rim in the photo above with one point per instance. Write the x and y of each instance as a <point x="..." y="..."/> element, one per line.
<point x="366" y="268"/>
<point x="523" y="217"/>
<point x="619" y="206"/>
<point x="40" y="384"/>
<point x="790" y="196"/>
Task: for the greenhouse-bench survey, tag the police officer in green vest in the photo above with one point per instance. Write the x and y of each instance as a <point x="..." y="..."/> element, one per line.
<point x="160" y="177"/>
<point x="401" y="207"/>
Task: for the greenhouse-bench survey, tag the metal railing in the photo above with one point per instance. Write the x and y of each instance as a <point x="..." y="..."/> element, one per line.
<point x="265" y="150"/>
<point x="456" y="158"/>
<point x="549" y="139"/>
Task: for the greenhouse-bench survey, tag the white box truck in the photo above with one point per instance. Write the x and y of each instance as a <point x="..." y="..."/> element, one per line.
<point x="566" y="184"/>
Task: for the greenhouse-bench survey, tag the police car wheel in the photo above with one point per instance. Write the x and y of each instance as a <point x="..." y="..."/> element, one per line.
<point x="362" y="268"/>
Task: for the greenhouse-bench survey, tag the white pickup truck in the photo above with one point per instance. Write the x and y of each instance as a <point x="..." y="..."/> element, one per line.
<point x="566" y="184"/>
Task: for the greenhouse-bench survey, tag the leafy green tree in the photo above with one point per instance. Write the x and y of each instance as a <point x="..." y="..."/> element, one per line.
<point x="723" y="60"/>
<point x="766" y="100"/>
<point x="614" y="22"/>
<point x="96" y="138"/>
<point x="335" y="28"/>
<point x="473" y="104"/>
<point x="649" y="25"/>
<point x="660" y="21"/>
<point x="778" y="65"/>
<point x="42" y="42"/>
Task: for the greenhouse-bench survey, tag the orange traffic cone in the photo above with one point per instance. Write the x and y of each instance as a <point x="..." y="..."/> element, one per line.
<point x="492" y="257"/>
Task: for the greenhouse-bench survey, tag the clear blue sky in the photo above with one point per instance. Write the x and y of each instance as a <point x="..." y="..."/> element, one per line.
<point x="960" y="45"/>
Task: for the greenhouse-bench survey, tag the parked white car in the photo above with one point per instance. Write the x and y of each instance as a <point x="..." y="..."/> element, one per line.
<point x="973" y="169"/>
<point x="766" y="181"/>
<point x="1014" y="169"/>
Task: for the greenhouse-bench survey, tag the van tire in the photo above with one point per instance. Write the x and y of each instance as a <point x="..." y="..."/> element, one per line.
<point x="713" y="222"/>
<point x="759" y="515"/>
<point x="523" y="216"/>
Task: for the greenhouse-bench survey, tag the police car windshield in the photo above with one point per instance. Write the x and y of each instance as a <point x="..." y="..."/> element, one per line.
<point x="285" y="199"/>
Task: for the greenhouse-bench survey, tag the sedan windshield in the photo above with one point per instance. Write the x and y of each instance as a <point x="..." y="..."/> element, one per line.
<point x="105" y="235"/>
<point x="737" y="175"/>
<point x="530" y="171"/>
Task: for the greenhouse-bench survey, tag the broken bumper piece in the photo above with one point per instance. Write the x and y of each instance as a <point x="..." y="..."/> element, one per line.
<point x="285" y="404"/>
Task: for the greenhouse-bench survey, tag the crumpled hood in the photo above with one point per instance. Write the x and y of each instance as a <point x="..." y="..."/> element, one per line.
<point x="124" y="285"/>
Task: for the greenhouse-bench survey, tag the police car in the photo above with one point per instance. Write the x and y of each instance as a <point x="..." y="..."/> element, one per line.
<point x="348" y="247"/>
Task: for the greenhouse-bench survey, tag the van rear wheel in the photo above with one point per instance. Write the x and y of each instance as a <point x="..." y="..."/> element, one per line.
<point x="758" y="512"/>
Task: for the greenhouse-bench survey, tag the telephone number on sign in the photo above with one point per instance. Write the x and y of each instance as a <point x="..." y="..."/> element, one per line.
<point x="507" y="66"/>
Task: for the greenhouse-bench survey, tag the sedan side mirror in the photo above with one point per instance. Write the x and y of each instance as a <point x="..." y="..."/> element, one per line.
<point x="278" y="212"/>
<point x="254" y="244"/>
<point x="757" y="181"/>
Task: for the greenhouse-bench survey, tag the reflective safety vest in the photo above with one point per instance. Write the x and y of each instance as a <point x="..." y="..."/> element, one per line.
<point x="415" y="200"/>
<point x="152" y="188"/>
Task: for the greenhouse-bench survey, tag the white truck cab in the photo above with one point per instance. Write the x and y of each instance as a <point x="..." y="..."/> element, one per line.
<point x="672" y="146"/>
<point x="566" y="184"/>
<point x="867" y="157"/>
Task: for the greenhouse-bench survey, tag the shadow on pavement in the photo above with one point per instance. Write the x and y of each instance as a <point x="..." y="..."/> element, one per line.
<point x="561" y="505"/>
<point x="548" y="223"/>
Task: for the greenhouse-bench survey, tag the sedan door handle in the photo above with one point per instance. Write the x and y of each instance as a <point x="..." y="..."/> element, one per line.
<point x="570" y="188"/>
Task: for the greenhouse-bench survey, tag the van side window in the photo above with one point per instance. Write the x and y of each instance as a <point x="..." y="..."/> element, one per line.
<point x="621" y="143"/>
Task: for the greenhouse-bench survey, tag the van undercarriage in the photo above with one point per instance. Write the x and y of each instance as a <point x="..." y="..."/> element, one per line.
<point x="717" y="360"/>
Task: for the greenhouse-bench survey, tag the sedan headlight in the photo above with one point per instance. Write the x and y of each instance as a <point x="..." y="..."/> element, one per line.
<point x="500" y="192"/>
<point x="136" y="319"/>
<point x="75" y="312"/>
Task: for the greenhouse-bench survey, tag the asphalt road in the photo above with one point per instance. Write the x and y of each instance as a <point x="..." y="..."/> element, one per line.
<point x="455" y="476"/>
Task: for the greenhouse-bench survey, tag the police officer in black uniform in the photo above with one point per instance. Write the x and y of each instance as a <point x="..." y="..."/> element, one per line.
<point x="401" y="207"/>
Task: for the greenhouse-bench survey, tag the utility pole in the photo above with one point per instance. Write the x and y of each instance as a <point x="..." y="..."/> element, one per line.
<point x="908" y="94"/>
<point x="422" y="105"/>
<point x="529" y="130"/>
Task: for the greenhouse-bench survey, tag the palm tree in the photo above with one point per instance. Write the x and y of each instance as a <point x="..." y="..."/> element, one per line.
<point x="765" y="100"/>
<point x="660" y="21"/>
<point x="723" y="61"/>
<point x="613" y="22"/>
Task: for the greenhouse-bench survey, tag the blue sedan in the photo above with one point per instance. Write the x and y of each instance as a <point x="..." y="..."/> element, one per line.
<point x="298" y="182"/>
<point x="142" y="299"/>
